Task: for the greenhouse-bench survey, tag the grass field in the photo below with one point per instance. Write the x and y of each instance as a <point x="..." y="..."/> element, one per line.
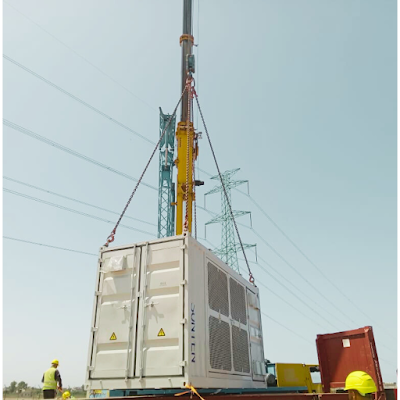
<point x="37" y="394"/>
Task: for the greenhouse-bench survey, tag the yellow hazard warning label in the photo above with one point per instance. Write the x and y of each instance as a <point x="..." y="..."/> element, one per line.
<point x="113" y="336"/>
<point x="161" y="332"/>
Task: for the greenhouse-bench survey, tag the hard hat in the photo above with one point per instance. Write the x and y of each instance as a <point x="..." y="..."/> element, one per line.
<point x="360" y="381"/>
<point x="55" y="361"/>
<point x="66" y="394"/>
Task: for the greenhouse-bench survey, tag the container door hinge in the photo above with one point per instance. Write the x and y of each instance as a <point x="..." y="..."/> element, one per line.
<point x="183" y="321"/>
<point x="184" y="282"/>
<point x="97" y="293"/>
<point x="95" y="328"/>
<point x="90" y="368"/>
<point x="151" y="304"/>
<point x="182" y="364"/>
<point x="183" y="247"/>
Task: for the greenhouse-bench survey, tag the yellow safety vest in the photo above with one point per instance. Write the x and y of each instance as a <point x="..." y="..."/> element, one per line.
<point x="50" y="379"/>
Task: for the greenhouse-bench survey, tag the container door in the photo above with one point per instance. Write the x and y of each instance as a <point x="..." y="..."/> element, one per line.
<point x="114" y="333"/>
<point x="343" y="352"/>
<point x="255" y="333"/>
<point x="161" y="313"/>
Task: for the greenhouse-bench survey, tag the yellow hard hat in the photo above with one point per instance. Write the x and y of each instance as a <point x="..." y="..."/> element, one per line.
<point x="360" y="381"/>
<point x="66" y="394"/>
<point x="55" y="361"/>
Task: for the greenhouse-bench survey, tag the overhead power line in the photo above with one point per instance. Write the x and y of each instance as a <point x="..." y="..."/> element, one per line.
<point x="80" y="56"/>
<point x="304" y="293"/>
<point x="276" y="294"/>
<point x="288" y="329"/>
<point x="47" y="245"/>
<point x="75" y="211"/>
<point x="303" y="278"/>
<point x="292" y="293"/>
<point x="96" y="110"/>
<point x="287" y="302"/>
<point x="284" y="286"/>
<point x="299" y="250"/>
<point x="311" y="262"/>
<point x="86" y="104"/>
<point x="306" y="257"/>
<point x="75" y="200"/>
<point x="292" y="285"/>
<point x="283" y="277"/>
<point x="70" y="151"/>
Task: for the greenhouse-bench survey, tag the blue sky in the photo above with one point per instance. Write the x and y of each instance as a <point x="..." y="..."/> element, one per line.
<point x="301" y="95"/>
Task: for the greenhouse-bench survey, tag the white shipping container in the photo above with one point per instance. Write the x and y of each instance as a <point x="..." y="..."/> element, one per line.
<point x="169" y="312"/>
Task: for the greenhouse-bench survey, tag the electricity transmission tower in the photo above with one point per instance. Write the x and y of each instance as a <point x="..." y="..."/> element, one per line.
<point x="166" y="187"/>
<point x="229" y="247"/>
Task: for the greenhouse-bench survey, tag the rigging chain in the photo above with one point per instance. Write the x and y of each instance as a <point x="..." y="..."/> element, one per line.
<point x="111" y="237"/>
<point x="251" y="277"/>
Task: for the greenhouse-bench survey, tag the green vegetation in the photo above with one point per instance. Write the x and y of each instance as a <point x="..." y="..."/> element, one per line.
<point x="22" y="391"/>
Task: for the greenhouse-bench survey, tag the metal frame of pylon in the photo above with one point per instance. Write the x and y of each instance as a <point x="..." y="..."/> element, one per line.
<point x="166" y="186"/>
<point x="228" y="249"/>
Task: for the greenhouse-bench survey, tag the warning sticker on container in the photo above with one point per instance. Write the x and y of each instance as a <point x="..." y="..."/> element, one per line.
<point x="161" y="332"/>
<point x="113" y="336"/>
<point x="346" y="342"/>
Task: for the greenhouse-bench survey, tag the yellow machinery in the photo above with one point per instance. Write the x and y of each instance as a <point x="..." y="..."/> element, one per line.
<point x="185" y="186"/>
<point x="294" y="375"/>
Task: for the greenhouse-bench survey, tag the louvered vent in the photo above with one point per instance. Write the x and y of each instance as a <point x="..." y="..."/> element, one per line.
<point x="220" y="345"/>
<point x="240" y="350"/>
<point x="218" y="290"/>
<point x="238" y="301"/>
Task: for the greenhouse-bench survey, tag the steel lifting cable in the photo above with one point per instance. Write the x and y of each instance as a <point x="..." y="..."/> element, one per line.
<point x="111" y="237"/>
<point x="251" y="277"/>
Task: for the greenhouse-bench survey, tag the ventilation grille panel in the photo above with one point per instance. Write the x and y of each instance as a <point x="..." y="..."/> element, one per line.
<point x="218" y="290"/>
<point x="220" y="345"/>
<point x="238" y="301"/>
<point x="240" y="350"/>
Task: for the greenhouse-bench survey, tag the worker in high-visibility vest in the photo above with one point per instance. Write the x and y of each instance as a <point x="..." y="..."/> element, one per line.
<point x="51" y="381"/>
<point x="360" y="385"/>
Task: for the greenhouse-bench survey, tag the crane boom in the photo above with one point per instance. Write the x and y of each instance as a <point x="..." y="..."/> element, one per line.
<point x="185" y="135"/>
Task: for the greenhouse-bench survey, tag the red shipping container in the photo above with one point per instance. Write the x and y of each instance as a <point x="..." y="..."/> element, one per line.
<point x="344" y="352"/>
